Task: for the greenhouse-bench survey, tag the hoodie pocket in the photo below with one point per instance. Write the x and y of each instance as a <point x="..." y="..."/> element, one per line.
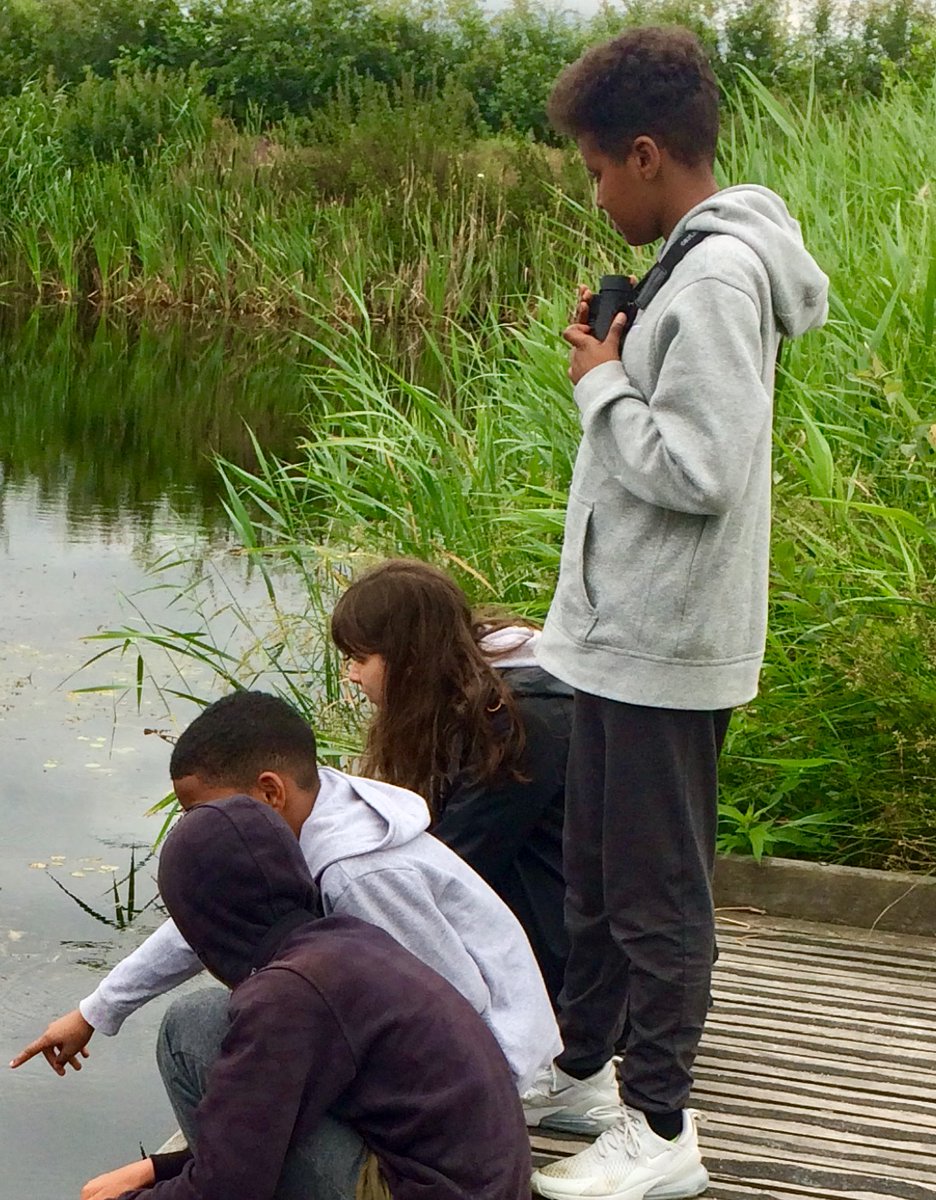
<point x="577" y="610"/>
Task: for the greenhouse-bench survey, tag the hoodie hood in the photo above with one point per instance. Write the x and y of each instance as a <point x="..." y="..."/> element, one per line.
<point x="512" y="646"/>
<point x="235" y="882"/>
<point x="759" y="218"/>
<point x="512" y="652"/>
<point x="354" y="816"/>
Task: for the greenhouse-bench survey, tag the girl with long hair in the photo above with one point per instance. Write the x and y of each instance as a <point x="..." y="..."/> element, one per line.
<point x="464" y="716"/>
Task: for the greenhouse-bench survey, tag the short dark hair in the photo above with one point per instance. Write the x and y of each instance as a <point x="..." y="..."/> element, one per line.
<point x="239" y="736"/>
<point x="656" y="81"/>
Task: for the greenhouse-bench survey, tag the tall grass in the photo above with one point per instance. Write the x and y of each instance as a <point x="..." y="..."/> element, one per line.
<point x="452" y="439"/>
<point x="405" y="206"/>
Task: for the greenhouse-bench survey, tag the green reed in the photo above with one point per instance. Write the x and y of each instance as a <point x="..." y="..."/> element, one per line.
<point x="441" y="425"/>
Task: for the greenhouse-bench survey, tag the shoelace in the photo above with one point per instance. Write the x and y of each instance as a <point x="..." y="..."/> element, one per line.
<point x="624" y="1137"/>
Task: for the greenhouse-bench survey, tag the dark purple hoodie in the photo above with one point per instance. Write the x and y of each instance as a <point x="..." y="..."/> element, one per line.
<point x="328" y="1015"/>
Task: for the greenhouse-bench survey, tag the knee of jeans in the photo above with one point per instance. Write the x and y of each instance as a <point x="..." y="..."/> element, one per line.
<point x="193" y="1024"/>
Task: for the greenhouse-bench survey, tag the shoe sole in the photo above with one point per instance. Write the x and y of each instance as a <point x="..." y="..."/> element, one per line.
<point x="584" y="1126"/>
<point x="683" y="1189"/>
<point x="695" y="1185"/>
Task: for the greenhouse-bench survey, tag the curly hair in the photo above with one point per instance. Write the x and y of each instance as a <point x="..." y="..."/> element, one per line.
<point x="441" y="694"/>
<point x="654" y="81"/>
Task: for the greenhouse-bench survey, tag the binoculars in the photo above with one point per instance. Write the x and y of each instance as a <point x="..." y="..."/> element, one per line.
<point x="616" y="294"/>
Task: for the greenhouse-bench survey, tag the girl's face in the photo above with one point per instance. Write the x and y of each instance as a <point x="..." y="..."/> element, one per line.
<point x="367" y="671"/>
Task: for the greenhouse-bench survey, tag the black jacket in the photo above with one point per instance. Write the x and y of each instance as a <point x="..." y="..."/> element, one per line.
<point x="328" y="1015"/>
<point x="511" y="832"/>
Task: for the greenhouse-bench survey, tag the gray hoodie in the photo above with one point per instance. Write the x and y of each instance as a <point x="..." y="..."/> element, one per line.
<point x="366" y="846"/>
<point x="662" y="593"/>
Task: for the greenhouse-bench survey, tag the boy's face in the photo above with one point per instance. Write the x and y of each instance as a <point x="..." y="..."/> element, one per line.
<point x="280" y="791"/>
<point x="627" y="190"/>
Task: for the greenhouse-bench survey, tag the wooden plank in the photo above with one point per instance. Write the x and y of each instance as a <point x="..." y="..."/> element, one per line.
<point x="857" y="959"/>
<point x="787" y="1038"/>
<point x="756" y="1062"/>
<point x="793" y="1046"/>
<point x="816" y="1075"/>
<point x="814" y="933"/>
<point x="815" y="977"/>
<point x="841" y="1184"/>
<point x="820" y="981"/>
<point x="770" y="1190"/>
<point x="847" y="1013"/>
<point x="814" y="1099"/>
<point x="893" y="950"/>
<point x="786" y="1162"/>
<point x="726" y="1016"/>
<point x="738" y="1174"/>
<point x="831" y="1137"/>
<point x="857" y="954"/>
<point x="808" y="1012"/>
<point x="735" y="1096"/>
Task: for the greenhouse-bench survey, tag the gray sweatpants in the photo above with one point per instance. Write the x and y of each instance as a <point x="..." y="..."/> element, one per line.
<point x="638" y="849"/>
<point x="323" y="1166"/>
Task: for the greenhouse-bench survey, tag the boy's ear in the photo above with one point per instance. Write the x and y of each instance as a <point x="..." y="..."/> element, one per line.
<point x="646" y="155"/>
<point x="272" y="789"/>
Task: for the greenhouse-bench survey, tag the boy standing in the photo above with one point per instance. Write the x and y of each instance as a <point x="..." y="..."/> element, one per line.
<point x="659" y="616"/>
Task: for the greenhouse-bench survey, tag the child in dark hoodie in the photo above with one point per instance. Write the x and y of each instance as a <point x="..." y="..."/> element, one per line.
<point x="659" y="616"/>
<point x="348" y="1068"/>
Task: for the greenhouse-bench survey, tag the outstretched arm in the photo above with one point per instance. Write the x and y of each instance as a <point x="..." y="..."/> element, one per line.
<point x="162" y="962"/>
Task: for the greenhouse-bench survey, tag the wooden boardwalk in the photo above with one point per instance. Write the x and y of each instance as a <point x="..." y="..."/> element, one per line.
<point x="817" y="1073"/>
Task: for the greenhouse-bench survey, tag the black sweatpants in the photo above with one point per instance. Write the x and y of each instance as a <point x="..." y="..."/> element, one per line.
<point x="639" y="848"/>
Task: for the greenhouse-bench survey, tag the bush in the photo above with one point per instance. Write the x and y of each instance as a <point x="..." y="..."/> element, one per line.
<point x="134" y="114"/>
<point x="284" y="58"/>
<point x="373" y="135"/>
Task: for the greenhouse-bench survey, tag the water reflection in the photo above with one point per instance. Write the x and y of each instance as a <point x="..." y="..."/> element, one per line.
<point x="106" y="430"/>
<point x="123" y="905"/>
<point x="106" y="417"/>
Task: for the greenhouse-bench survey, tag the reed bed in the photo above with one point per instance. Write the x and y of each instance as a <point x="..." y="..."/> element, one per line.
<point x="439" y="423"/>
<point x="190" y="212"/>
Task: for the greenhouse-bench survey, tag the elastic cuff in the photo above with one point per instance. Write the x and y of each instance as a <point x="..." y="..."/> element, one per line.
<point x="167" y="1166"/>
<point x="96" y="1014"/>
<point x="598" y="382"/>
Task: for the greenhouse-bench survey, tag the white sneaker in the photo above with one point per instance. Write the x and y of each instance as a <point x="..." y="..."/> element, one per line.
<point x="560" y="1102"/>
<point x="629" y="1162"/>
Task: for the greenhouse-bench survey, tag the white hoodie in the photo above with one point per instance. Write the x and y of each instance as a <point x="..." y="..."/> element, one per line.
<point x="367" y="848"/>
<point x="662" y="594"/>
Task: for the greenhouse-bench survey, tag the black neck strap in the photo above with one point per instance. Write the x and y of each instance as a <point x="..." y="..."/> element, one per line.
<point x="651" y="283"/>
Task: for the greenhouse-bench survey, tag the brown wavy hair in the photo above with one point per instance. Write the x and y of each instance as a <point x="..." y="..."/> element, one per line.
<point x="440" y="691"/>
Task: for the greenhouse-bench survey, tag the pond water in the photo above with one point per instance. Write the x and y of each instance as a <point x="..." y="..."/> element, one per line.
<point x="106" y="430"/>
